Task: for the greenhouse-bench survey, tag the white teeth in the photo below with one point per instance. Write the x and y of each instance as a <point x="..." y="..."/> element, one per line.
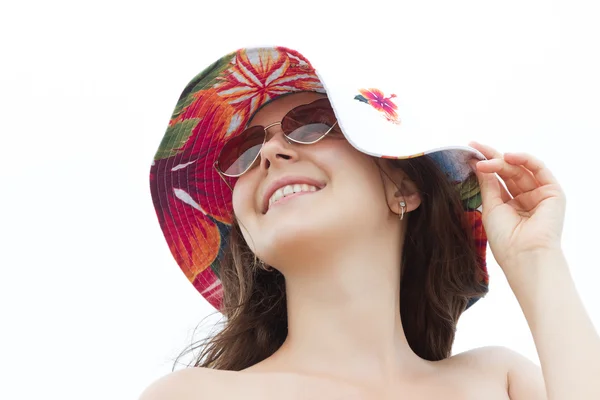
<point x="290" y="189"/>
<point x="277" y="195"/>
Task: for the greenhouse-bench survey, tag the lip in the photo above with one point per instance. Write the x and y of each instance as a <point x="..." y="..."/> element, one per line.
<point x="288" y="180"/>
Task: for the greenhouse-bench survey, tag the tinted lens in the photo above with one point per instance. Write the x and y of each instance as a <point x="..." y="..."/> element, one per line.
<point x="310" y="122"/>
<point x="239" y="153"/>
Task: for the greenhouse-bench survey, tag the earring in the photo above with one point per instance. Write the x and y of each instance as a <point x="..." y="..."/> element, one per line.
<point x="402" y="204"/>
<point x="402" y="207"/>
<point x="264" y="267"/>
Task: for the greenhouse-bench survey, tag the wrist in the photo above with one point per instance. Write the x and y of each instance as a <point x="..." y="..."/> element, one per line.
<point x="533" y="256"/>
<point x="527" y="268"/>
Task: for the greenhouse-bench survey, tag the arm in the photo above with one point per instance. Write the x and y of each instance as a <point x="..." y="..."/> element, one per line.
<point x="565" y="338"/>
<point x="525" y="379"/>
<point x="524" y="224"/>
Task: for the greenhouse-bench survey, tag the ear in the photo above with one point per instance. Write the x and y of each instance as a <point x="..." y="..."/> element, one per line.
<point x="408" y="193"/>
<point x="401" y="188"/>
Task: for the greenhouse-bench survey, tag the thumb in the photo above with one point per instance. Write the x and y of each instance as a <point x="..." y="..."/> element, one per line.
<point x="491" y="191"/>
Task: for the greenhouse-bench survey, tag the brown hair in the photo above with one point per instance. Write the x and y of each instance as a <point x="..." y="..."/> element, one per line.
<point x="443" y="275"/>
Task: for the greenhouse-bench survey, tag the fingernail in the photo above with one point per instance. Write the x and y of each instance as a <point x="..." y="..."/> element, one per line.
<point x="473" y="165"/>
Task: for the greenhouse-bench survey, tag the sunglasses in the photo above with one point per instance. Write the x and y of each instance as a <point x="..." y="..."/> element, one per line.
<point x="305" y="124"/>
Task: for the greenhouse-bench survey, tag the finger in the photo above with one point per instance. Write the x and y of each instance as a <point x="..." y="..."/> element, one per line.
<point x="518" y="179"/>
<point x="488" y="151"/>
<point x="530" y="200"/>
<point x="505" y="190"/>
<point x="492" y="192"/>
<point x="534" y="165"/>
<point x="505" y="194"/>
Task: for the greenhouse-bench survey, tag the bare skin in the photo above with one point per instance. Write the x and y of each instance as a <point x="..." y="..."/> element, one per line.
<point x="472" y="375"/>
<point x="464" y="376"/>
<point x="338" y="250"/>
<point x="345" y="334"/>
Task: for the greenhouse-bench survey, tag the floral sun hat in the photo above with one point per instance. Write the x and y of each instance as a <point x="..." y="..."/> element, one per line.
<point x="193" y="203"/>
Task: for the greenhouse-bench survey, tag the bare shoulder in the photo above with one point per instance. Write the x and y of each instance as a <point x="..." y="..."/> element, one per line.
<point x="522" y="378"/>
<point x="188" y="384"/>
<point x="498" y="358"/>
<point x="481" y="369"/>
<point x="207" y="383"/>
<point x="492" y="358"/>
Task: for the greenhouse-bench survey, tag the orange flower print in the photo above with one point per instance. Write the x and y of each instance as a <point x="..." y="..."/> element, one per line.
<point x="377" y="99"/>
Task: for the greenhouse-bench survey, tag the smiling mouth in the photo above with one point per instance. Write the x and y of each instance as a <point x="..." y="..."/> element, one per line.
<point x="288" y="197"/>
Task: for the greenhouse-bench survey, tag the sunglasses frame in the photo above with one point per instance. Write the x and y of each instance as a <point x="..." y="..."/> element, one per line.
<point x="223" y="174"/>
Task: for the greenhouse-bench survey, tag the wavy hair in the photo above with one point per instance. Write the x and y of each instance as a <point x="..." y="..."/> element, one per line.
<point x="442" y="274"/>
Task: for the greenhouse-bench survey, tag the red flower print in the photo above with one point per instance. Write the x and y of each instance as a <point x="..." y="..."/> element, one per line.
<point x="192" y="202"/>
<point x="377" y="99"/>
<point x="474" y="220"/>
<point x="193" y="220"/>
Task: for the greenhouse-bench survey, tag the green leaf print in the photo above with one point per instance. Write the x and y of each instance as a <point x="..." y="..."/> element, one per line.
<point x="470" y="193"/>
<point x="175" y="138"/>
<point x="360" y="97"/>
<point x="182" y="105"/>
<point x="472" y="203"/>
<point x="201" y="81"/>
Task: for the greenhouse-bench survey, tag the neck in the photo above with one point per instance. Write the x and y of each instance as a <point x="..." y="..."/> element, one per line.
<point x="344" y="315"/>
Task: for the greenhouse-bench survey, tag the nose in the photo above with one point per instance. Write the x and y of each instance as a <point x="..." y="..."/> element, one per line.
<point x="277" y="148"/>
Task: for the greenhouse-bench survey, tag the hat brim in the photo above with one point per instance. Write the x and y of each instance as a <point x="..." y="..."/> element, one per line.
<point x="193" y="203"/>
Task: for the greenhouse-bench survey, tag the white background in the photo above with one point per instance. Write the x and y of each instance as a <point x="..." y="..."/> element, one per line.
<point x="92" y="304"/>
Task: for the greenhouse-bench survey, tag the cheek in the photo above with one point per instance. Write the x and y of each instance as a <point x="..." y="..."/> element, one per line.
<point x="355" y="170"/>
<point x="242" y="198"/>
<point x="356" y="181"/>
<point x="243" y="208"/>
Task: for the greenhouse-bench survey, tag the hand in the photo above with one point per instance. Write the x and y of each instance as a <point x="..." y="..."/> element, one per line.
<point x="526" y="219"/>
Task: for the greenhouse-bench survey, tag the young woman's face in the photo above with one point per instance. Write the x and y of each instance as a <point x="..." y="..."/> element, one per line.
<point x="349" y="205"/>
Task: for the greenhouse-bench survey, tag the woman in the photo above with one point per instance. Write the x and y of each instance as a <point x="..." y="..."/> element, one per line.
<point x="343" y="249"/>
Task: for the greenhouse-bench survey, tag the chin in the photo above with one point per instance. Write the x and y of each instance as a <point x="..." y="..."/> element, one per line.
<point x="302" y="238"/>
